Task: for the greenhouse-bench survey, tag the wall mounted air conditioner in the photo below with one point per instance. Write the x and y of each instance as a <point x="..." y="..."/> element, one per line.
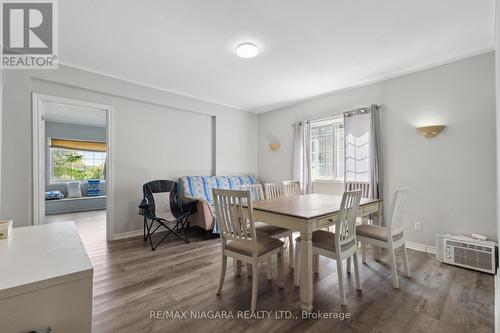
<point x="467" y="252"/>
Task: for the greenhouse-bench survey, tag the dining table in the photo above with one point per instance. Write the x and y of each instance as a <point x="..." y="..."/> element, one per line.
<point x="306" y="214"/>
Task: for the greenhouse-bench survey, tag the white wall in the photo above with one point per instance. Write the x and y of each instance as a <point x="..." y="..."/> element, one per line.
<point x="144" y="123"/>
<point x="497" y="91"/>
<point x="451" y="177"/>
<point x="1" y="134"/>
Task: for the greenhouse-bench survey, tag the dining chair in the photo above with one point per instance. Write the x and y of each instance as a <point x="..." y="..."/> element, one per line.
<point x="365" y="193"/>
<point x="239" y="239"/>
<point x="291" y="188"/>
<point x="363" y="186"/>
<point x="269" y="230"/>
<point x="390" y="237"/>
<point x="256" y="192"/>
<point x="340" y="245"/>
<point x="272" y="191"/>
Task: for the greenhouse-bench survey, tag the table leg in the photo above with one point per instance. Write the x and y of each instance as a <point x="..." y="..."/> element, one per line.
<point x="376" y="221"/>
<point x="306" y="271"/>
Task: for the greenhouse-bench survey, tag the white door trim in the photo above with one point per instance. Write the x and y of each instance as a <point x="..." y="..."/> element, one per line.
<point x="38" y="162"/>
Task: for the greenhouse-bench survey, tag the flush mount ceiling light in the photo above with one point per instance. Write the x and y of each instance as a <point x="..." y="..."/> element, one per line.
<point x="247" y="50"/>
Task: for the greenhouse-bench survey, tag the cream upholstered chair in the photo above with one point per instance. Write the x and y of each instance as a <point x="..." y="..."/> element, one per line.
<point x="390" y="237"/>
<point x="240" y="240"/>
<point x="270" y="230"/>
<point x="339" y="245"/>
<point x="272" y="191"/>
<point x="291" y="188"/>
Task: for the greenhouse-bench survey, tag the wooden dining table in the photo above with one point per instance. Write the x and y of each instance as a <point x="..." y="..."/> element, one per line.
<point x="306" y="214"/>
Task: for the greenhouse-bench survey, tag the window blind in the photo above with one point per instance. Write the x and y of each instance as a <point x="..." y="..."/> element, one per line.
<point x="78" y="145"/>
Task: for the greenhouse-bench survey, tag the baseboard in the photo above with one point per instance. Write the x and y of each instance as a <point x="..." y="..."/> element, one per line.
<point x="421" y="247"/>
<point x="128" y="234"/>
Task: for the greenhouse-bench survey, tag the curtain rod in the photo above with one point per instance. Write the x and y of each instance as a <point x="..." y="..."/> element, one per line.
<point x="361" y="110"/>
<point x="346" y="113"/>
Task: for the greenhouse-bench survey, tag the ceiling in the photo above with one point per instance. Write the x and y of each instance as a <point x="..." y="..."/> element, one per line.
<point x="69" y="114"/>
<point x="307" y="47"/>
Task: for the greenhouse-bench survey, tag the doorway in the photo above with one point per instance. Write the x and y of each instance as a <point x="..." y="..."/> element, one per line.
<point x="72" y="165"/>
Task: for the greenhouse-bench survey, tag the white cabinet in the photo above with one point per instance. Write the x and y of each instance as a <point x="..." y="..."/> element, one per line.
<point x="45" y="280"/>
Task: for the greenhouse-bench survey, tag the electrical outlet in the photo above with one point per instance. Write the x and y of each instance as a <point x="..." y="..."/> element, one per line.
<point x="418" y="226"/>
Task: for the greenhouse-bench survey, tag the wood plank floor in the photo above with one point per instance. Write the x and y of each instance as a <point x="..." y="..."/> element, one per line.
<point x="130" y="281"/>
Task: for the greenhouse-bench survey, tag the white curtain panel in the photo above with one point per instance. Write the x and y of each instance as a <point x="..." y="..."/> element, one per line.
<point x="362" y="148"/>
<point x="301" y="169"/>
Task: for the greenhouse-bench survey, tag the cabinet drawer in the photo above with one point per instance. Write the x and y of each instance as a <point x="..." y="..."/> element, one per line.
<point x="326" y="221"/>
<point x="368" y="209"/>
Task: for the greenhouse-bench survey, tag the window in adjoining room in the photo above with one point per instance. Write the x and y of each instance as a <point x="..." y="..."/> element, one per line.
<point x="72" y="160"/>
<point x="327" y="149"/>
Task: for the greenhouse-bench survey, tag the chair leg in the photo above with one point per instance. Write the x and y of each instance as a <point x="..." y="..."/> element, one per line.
<point x="255" y="285"/>
<point x="348" y="265"/>
<point x="356" y="270"/>
<point x="376" y="252"/>
<point x="392" y="259"/>
<point x="316" y="263"/>
<point x="296" y="269"/>
<point x="405" y="261"/>
<point x="290" y="250"/>
<point x="269" y="269"/>
<point x="364" y="252"/>
<point x="341" y="282"/>
<point x="222" y="273"/>
<point x="281" y="264"/>
<point x="186" y="231"/>
<point x="249" y="270"/>
<point x="237" y="267"/>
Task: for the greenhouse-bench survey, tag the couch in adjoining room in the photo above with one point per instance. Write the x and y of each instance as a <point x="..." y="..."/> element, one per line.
<point x="199" y="188"/>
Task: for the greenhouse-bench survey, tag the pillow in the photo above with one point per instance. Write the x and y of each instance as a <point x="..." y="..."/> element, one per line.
<point x="74" y="190"/>
<point x="93" y="187"/>
<point x="53" y="195"/>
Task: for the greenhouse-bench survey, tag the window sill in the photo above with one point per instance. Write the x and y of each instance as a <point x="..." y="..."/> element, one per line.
<point x="79" y="198"/>
<point x="328" y="181"/>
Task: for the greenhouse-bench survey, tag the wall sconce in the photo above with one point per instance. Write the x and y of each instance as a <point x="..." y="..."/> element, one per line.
<point x="430" y="131"/>
<point x="274" y="146"/>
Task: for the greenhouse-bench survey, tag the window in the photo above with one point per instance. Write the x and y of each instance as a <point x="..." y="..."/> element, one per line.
<point x="68" y="163"/>
<point x="327" y="149"/>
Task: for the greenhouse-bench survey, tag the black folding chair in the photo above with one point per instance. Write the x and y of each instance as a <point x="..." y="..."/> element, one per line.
<point x="160" y="205"/>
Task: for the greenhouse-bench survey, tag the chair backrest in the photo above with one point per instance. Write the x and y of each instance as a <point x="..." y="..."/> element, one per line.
<point x="234" y="212"/>
<point x="161" y="198"/>
<point x="363" y="186"/>
<point x="256" y="192"/>
<point x="273" y="191"/>
<point x="345" y="226"/>
<point x="395" y="225"/>
<point x="291" y="188"/>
